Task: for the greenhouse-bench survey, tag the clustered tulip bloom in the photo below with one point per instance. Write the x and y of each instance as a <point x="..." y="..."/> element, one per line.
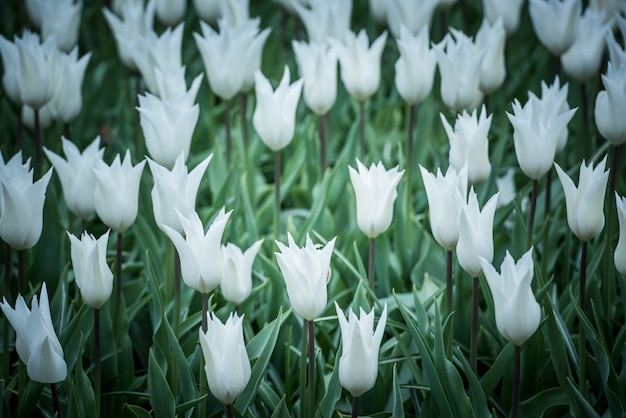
<point x="446" y="198"/>
<point x="200" y="253"/>
<point x="175" y="190"/>
<point x="306" y="271"/>
<point x="517" y="312"/>
<point x="469" y="143"/>
<point x="77" y="176"/>
<point x="585" y="203"/>
<point x="317" y="64"/>
<point x="93" y="275"/>
<point x="275" y="112"/>
<point x="611" y="105"/>
<point x="227" y="364"/>
<point x="555" y="23"/>
<point x="415" y="68"/>
<point x="36" y="342"/>
<point x="236" y="283"/>
<point x="117" y="192"/>
<point x="21" y="203"/>
<point x="620" y="251"/>
<point x="375" y="191"/>
<point x="476" y="234"/>
<point x="358" y="365"/>
<point x="508" y="11"/>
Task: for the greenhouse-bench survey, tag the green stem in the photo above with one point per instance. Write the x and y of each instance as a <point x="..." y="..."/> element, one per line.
<point x="311" y="373"/>
<point x="531" y="215"/>
<point x="177" y="285"/>
<point x="322" y="128"/>
<point x="55" y="399"/>
<point x="409" y="161"/>
<point x="546" y="215"/>
<point x="205" y="311"/>
<point x="21" y="286"/>
<point x="608" y="286"/>
<point x="202" y="383"/>
<point x="474" y="335"/>
<point x="582" y="360"/>
<point x="276" y="193"/>
<point x="449" y="303"/>
<point x="355" y="407"/>
<point x="229" y="411"/>
<point x="362" y="127"/>
<point x="67" y="131"/>
<point x="7" y="290"/>
<point x="98" y="365"/>
<point x="516" y="382"/>
<point x="303" y="368"/>
<point x="228" y="136"/>
<point x="118" y="274"/>
<point x="371" y="270"/>
<point x="243" y="105"/>
<point x="38" y="157"/>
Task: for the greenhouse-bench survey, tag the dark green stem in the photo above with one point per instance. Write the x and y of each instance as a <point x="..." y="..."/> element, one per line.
<point x="229" y="411"/>
<point x="303" y="369"/>
<point x="311" y="373"/>
<point x="323" y="121"/>
<point x="582" y="358"/>
<point x="228" y="136"/>
<point x="585" y="111"/>
<point x="531" y="215"/>
<point x="546" y="215"/>
<point x="55" y="399"/>
<point x="243" y="105"/>
<point x="449" y="284"/>
<point x="516" y="382"/>
<point x="202" y="375"/>
<point x="98" y="365"/>
<point x="362" y="128"/>
<point x="371" y="270"/>
<point x="177" y="285"/>
<point x="7" y="291"/>
<point x="21" y="286"/>
<point x="474" y="335"/>
<point x="67" y="131"/>
<point x="355" y="407"/>
<point x="205" y="311"/>
<point x="38" y="157"/>
<point x="409" y="160"/>
<point x="118" y="274"/>
<point x="608" y="286"/>
<point x="276" y="193"/>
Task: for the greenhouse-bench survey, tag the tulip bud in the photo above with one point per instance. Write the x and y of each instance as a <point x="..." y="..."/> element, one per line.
<point x="275" y="112"/>
<point x="21" y="203"/>
<point x="358" y="364"/>
<point x="36" y="342"/>
<point x="413" y="15"/>
<point x="227" y="364"/>
<point x="306" y="271"/>
<point x="175" y="190"/>
<point x="555" y="23"/>
<point x="476" y="234"/>
<point x="11" y="65"/>
<point x="325" y="19"/>
<point x="446" y="198"/>
<point x="207" y="10"/>
<point x="77" y="175"/>
<point x="585" y="204"/>
<point x="491" y="38"/>
<point x="517" y="312"/>
<point x="93" y="275"/>
<point x="554" y="102"/>
<point x="508" y="11"/>
<point x="236" y="284"/>
<point x="170" y="12"/>
<point x="317" y="63"/>
<point x="117" y="192"/>
<point x="36" y="63"/>
<point x="469" y="144"/>
<point x="360" y="63"/>
<point x="620" y="251"/>
<point x="506" y="188"/>
<point x="67" y="100"/>
<point x="200" y="253"/>
<point x="611" y="105"/>
<point x="61" y="19"/>
<point x="415" y="68"/>
<point x="375" y="192"/>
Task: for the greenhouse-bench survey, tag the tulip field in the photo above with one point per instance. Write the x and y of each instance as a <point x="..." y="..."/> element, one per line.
<point x="313" y="208"/>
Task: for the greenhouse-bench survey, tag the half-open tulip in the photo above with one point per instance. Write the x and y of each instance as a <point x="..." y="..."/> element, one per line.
<point x="611" y="105"/>
<point x="555" y="23"/>
<point x="619" y="256"/>
<point x="415" y="68"/>
<point x="237" y="281"/>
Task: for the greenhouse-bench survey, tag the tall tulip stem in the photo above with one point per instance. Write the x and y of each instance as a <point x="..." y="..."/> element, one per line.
<point x="516" y="382"/>
<point x="544" y="238"/>
<point x="202" y="383"/>
<point x="176" y="318"/>
<point x="311" y="373"/>
<point x="582" y="361"/>
<point x="228" y="134"/>
<point x="531" y="215"/>
<point x="449" y="302"/>
<point x="67" y="131"/>
<point x="205" y="311"/>
<point x="55" y="399"/>
<point x="355" y="407"/>
<point x="98" y="364"/>
<point x="474" y="335"/>
<point x="409" y="159"/>
<point x="118" y="281"/>
<point x="322" y="128"/>
<point x="362" y="127"/>
<point x="7" y="291"/>
<point x="585" y="105"/>
<point x="38" y="157"/>
<point x="276" y="193"/>
<point x="229" y="411"/>
<point x="243" y="109"/>
<point x="21" y="286"/>
<point x="371" y="266"/>
<point x="303" y="368"/>
<point x="608" y="286"/>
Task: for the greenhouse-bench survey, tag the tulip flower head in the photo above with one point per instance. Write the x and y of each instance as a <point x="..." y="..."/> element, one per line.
<point x="36" y="63"/>
<point x="236" y="12"/>
<point x="476" y="234"/>
<point x="517" y="312"/>
<point x="317" y="63"/>
<point x="208" y="10"/>
<point x="413" y="15"/>
<point x="306" y="271"/>
<point x="93" y="275"/>
<point x="358" y="364"/>
<point x="554" y="102"/>
<point x="21" y="203"/>
<point x="508" y="11"/>
<point x="77" y="176"/>
<point x="415" y="68"/>
<point x="537" y="128"/>
<point x="117" y="192"/>
<point x="555" y="23"/>
<point x="36" y="342"/>
<point x="611" y="105"/>
<point x="11" y="64"/>
<point x="170" y="12"/>
<point x="237" y="281"/>
<point x="582" y="60"/>
<point x="375" y="192"/>
<point x="460" y="60"/>
<point x="275" y="112"/>
<point x="506" y="188"/>
<point x="585" y="203"/>
<point x="227" y="364"/>
<point x="617" y="54"/>
<point x="175" y="190"/>
<point x="325" y="19"/>
<point x="491" y="38"/>
<point x="469" y="144"/>
<point x="67" y="100"/>
<point x="620" y="251"/>
<point x="200" y="253"/>
<point x="360" y="63"/>
<point x="446" y="198"/>
<point x="61" y="19"/>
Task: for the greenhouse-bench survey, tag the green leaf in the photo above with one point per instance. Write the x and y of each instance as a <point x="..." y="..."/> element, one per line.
<point x="333" y="390"/>
<point x="138" y="411"/>
<point x="503" y="362"/>
<point x="542" y="401"/>
<point x="281" y="411"/>
<point x="161" y="398"/>
<point x="185" y="376"/>
<point x="396" y="396"/>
